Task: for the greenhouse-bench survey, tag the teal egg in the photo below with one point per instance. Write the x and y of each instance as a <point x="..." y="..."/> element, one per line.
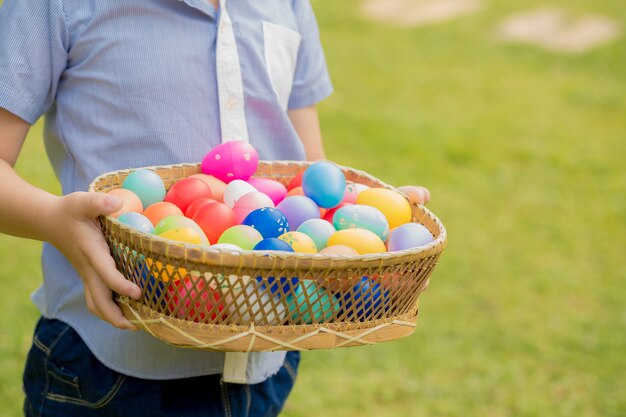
<point x="319" y="230"/>
<point x="311" y="304"/>
<point x="147" y="185"/>
<point x="360" y="216"/>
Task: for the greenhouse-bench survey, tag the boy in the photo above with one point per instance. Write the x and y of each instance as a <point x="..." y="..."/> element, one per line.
<point x="130" y="84"/>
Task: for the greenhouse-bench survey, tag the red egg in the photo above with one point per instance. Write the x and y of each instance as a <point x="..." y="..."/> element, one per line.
<point x="214" y="218"/>
<point x="158" y="211"/>
<point x="185" y="191"/>
<point x="296" y="181"/>
<point x="193" y="299"/>
<point x="217" y="186"/>
<point x="196" y="205"/>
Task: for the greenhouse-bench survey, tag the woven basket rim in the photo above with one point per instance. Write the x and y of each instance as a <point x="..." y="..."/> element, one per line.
<point x="228" y="257"/>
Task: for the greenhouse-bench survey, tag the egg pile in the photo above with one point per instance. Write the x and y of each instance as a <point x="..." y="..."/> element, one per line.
<point x="226" y="207"/>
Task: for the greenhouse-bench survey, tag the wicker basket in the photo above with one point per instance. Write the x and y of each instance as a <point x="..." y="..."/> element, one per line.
<point x="205" y="298"/>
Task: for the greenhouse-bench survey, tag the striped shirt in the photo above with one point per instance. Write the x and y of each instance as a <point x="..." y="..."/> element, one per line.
<point x="134" y="83"/>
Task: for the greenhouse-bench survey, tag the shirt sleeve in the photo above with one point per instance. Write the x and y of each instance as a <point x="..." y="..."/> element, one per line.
<point x="311" y="82"/>
<point x="33" y="54"/>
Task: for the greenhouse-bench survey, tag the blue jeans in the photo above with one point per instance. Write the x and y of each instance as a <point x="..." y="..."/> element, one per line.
<point x="62" y="378"/>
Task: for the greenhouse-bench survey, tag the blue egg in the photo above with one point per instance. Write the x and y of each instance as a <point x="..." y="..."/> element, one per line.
<point x="408" y="235"/>
<point x="272" y="243"/>
<point x="270" y="222"/>
<point x="152" y="288"/>
<point x="360" y="216"/>
<point x="370" y="300"/>
<point x="147" y="185"/>
<point x="319" y="230"/>
<point x="324" y="183"/>
<point x="137" y="221"/>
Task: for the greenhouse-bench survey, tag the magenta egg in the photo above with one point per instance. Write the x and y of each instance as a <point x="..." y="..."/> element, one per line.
<point x="273" y="189"/>
<point x="250" y="202"/>
<point x="298" y="209"/>
<point x="234" y="160"/>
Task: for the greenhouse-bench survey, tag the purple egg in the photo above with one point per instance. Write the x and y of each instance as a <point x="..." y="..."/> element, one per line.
<point x="298" y="209"/>
<point x="408" y="235"/>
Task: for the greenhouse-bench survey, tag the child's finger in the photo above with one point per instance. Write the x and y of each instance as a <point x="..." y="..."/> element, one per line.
<point x="92" y="205"/>
<point x="104" y="267"/>
<point x="103" y="301"/>
<point x="91" y="306"/>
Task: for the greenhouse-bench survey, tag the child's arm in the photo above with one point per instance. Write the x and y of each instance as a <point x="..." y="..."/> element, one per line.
<point x="67" y="222"/>
<point x="307" y="125"/>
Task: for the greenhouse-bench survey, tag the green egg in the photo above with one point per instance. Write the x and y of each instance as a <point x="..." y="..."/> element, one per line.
<point x="311" y="303"/>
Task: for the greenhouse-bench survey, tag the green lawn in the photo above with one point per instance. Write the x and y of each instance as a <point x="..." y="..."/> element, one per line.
<point x="523" y="151"/>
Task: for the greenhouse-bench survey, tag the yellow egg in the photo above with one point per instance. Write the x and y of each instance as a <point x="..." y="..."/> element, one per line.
<point x="299" y="242"/>
<point x="184" y="234"/>
<point x="170" y="271"/>
<point x="361" y="240"/>
<point x="394" y="206"/>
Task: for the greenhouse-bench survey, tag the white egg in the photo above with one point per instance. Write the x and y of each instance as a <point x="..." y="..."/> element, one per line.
<point x="235" y="190"/>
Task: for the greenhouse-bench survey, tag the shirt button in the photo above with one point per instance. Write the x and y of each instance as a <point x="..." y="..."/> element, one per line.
<point x="232" y="103"/>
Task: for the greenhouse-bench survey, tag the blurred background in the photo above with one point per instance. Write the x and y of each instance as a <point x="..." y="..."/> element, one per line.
<point x="514" y="115"/>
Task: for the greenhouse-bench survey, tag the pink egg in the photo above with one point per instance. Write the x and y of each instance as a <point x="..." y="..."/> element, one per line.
<point x="234" y="160"/>
<point x="275" y="190"/>
<point x="351" y="192"/>
<point x="250" y="202"/>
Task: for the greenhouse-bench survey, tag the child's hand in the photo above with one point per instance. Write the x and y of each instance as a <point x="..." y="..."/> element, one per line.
<point x="77" y="235"/>
<point x="417" y="195"/>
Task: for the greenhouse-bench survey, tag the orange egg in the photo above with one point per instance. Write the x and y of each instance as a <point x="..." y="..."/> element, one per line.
<point x="157" y="271"/>
<point x="131" y="201"/>
<point x="158" y="211"/>
<point x="217" y="186"/>
<point x="295" y="191"/>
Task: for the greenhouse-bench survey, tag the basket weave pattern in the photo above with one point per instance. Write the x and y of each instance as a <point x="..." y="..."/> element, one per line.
<point x="206" y="298"/>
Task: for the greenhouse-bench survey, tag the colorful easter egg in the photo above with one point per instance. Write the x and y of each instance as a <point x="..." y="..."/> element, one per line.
<point x="217" y="186"/>
<point x="408" y="235"/>
<point x="235" y="190"/>
<point x="360" y="188"/>
<point x="196" y="205"/>
<point x="299" y="242"/>
<point x="131" y="202"/>
<point x="319" y="230"/>
<point x="295" y="191"/>
<point x="137" y="221"/>
<point x="185" y="191"/>
<point x="180" y="227"/>
<point x="279" y="286"/>
<point x="311" y="304"/>
<point x="213" y="219"/>
<point x="193" y="299"/>
<point x="233" y="160"/>
<point x="273" y="189"/>
<point x="296" y="181"/>
<point x="362" y="217"/>
<point x="158" y="211"/>
<point x="366" y="301"/>
<point x="273" y="243"/>
<point x="298" y="209"/>
<point x="270" y="222"/>
<point x="361" y="240"/>
<point x="245" y="237"/>
<point x="147" y="184"/>
<point x="351" y="193"/>
<point x="165" y="273"/>
<point x="394" y="205"/>
<point x="186" y="235"/>
<point x="324" y="183"/>
<point x="338" y="250"/>
<point x="250" y="202"/>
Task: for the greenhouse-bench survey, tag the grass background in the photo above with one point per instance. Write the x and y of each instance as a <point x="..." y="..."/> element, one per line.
<point x="523" y="151"/>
